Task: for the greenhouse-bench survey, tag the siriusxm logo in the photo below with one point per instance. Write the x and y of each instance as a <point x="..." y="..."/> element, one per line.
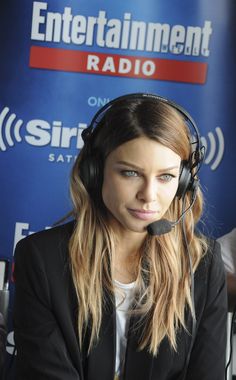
<point x="9" y="124"/>
<point x="37" y="132"/>
<point x="214" y="149"/>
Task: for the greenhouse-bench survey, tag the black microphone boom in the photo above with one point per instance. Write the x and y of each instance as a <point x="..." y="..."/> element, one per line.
<point x="160" y="227"/>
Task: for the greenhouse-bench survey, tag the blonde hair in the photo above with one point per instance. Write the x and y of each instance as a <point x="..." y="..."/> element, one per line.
<point x="163" y="280"/>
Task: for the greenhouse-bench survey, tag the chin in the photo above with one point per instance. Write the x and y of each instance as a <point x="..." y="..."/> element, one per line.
<point x="130" y="225"/>
<point x="138" y="229"/>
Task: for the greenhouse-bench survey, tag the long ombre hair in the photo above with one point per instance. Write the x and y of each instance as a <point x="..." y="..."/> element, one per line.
<point x="163" y="279"/>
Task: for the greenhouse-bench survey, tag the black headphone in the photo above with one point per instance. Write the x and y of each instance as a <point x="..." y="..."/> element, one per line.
<point x="90" y="167"/>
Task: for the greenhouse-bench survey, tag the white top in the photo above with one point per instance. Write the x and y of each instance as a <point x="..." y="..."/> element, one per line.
<point x="124" y="295"/>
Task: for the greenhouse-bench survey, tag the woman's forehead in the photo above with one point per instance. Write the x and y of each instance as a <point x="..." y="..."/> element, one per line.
<point x="143" y="152"/>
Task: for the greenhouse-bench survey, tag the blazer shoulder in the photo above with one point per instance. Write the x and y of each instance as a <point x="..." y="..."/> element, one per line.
<point x="60" y="232"/>
<point x="50" y="242"/>
<point x="212" y="256"/>
<point x="211" y="267"/>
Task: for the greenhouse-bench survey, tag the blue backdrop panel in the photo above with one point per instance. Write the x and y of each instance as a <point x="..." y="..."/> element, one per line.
<point x="60" y="62"/>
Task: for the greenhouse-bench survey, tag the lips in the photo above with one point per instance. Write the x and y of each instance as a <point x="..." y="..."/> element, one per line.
<point x="143" y="214"/>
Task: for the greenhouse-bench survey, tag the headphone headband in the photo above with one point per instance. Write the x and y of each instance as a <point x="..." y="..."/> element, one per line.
<point x="148" y="96"/>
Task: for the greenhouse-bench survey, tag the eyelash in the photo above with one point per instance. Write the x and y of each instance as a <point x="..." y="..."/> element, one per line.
<point x="127" y="173"/>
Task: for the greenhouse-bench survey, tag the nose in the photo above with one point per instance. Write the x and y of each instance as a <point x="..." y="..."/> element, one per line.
<point x="148" y="191"/>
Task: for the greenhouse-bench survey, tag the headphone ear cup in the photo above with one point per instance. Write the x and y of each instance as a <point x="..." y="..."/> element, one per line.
<point x="185" y="180"/>
<point x="90" y="168"/>
<point x="91" y="175"/>
<point x="88" y="172"/>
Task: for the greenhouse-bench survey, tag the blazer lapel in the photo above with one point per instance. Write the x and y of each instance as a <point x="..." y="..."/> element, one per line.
<point x="138" y="364"/>
<point x="100" y="364"/>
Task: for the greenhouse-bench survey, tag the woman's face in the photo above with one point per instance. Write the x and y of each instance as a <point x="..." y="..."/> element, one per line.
<point x="140" y="181"/>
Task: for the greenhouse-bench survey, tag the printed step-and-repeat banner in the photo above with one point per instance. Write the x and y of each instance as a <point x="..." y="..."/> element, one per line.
<point x="61" y="61"/>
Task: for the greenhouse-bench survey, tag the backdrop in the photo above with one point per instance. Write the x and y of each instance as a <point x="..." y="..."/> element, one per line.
<point x="62" y="60"/>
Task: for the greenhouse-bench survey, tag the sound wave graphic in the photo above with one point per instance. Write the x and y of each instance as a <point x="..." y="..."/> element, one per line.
<point x="11" y="130"/>
<point x="214" y="150"/>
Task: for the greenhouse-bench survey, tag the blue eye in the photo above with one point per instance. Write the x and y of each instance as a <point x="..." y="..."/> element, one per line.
<point x="166" y="177"/>
<point x="129" y="173"/>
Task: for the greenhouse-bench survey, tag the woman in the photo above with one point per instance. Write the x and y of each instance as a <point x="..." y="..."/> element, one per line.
<point x="103" y="297"/>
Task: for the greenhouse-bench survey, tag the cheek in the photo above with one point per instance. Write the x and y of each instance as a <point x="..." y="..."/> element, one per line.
<point x="169" y="193"/>
<point x="110" y="191"/>
<point x="113" y="195"/>
<point x="113" y="186"/>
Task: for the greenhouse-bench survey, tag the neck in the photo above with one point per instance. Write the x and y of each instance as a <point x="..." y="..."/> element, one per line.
<point x="128" y="243"/>
<point x="126" y="259"/>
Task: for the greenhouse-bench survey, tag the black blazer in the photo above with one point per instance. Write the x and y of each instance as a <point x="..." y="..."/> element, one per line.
<point x="45" y="316"/>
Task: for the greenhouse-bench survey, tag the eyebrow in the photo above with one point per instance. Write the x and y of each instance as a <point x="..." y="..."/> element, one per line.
<point x="129" y="164"/>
